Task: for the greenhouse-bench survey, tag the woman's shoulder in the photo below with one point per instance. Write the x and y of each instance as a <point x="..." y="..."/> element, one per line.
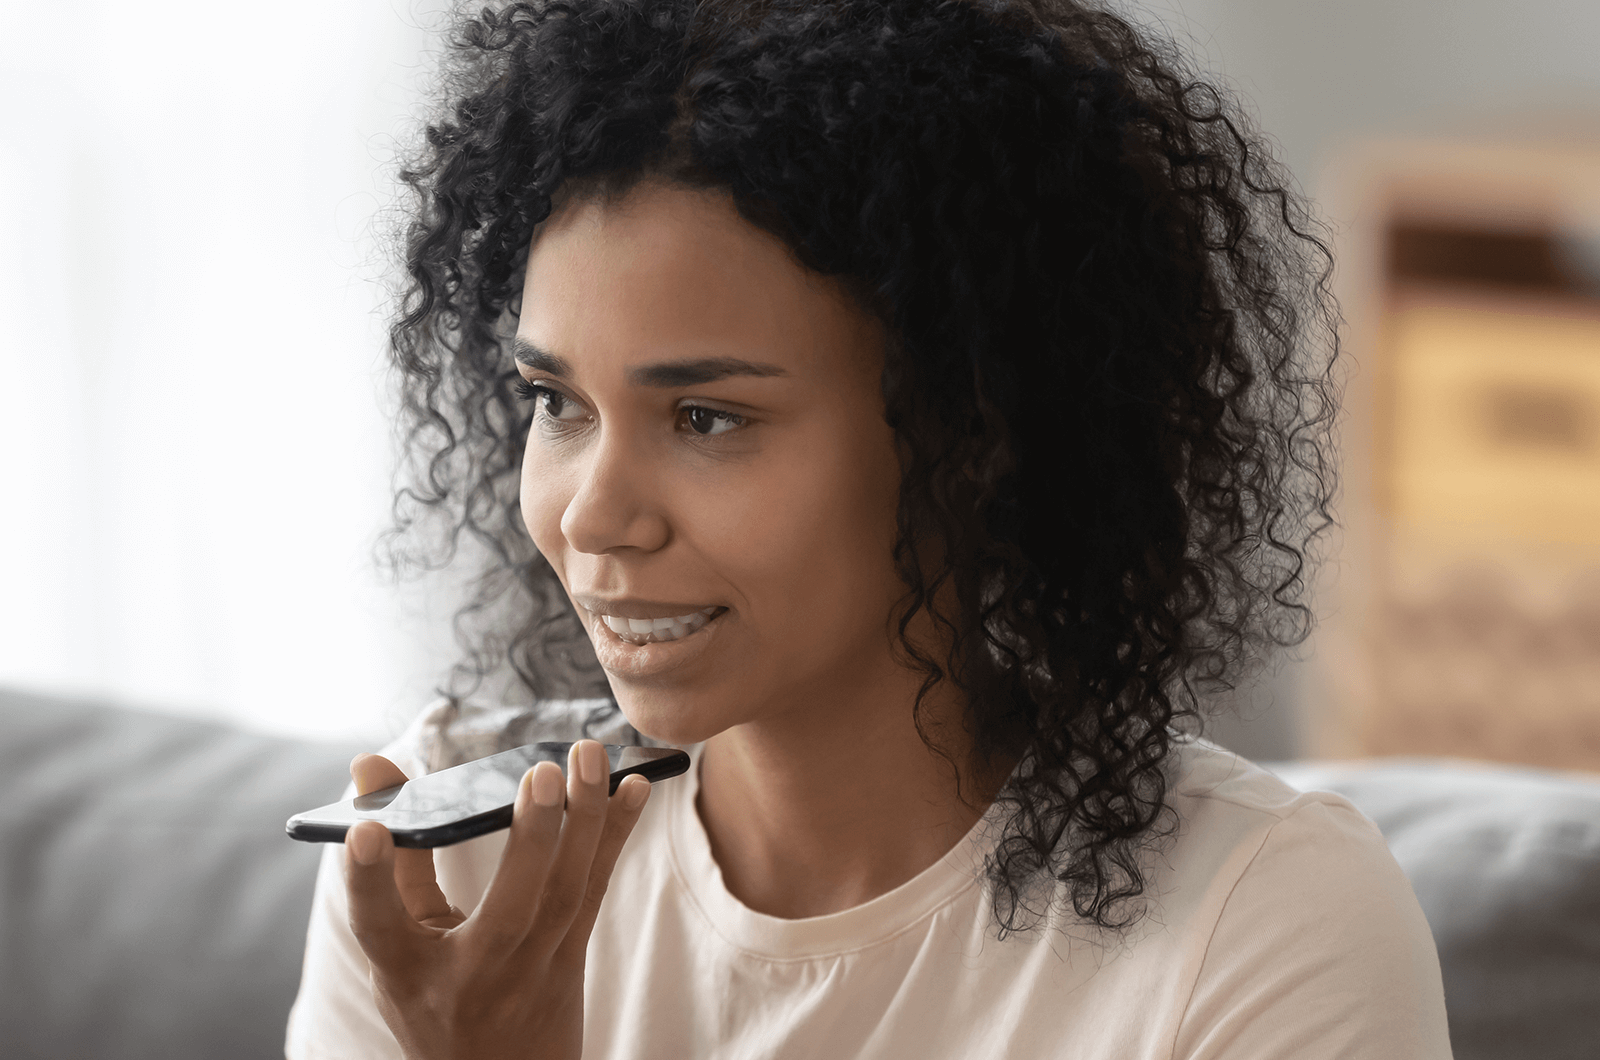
<point x="1297" y="906"/>
<point x="449" y="731"/>
<point x="1254" y="858"/>
<point x="1237" y="821"/>
<point x="1212" y="785"/>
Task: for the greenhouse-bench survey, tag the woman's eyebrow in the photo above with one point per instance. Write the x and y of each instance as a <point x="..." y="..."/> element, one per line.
<point x="660" y="374"/>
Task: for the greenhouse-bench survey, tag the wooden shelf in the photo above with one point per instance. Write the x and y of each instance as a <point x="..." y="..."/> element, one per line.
<point x="1465" y="620"/>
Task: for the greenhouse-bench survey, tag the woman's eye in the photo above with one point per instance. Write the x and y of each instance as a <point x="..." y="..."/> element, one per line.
<point x="703" y="421"/>
<point x="551" y="402"/>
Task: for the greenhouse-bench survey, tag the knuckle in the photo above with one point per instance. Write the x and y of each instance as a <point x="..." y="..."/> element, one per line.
<point x="600" y="880"/>
<point x="590" y="908"/>
<point x="562" y="904"/>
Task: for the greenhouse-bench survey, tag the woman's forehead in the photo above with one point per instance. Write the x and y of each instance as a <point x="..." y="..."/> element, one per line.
<point x="677" y="269"/>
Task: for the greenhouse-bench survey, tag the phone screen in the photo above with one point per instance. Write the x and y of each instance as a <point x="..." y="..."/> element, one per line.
<point x="467" y="800"/>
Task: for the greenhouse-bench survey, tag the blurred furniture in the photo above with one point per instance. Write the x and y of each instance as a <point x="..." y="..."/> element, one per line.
<point x="1466" y="618"/>
<point x="153" y="908"/>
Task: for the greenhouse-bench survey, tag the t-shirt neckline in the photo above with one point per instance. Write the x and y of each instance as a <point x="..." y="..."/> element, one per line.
<point x="960" y="870"/>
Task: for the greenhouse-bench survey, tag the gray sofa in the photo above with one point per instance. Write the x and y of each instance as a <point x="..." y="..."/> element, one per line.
<point x="152" y="906"/>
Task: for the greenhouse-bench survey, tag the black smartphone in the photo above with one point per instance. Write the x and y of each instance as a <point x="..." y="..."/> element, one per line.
<point x="468" y="800"/>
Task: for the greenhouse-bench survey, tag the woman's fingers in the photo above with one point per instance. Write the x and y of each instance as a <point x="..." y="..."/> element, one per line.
<point x="511" y="901"/>
<point x="543" y="875"/>
<point x="621" y="815"/>
<point x="413" y="869"/>
<point x="449" y="989"/>
<point x="588" y="785"/>
<point x="378" y="917"/>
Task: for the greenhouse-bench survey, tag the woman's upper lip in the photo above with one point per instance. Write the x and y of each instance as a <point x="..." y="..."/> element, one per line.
<point x="633" y="607"/>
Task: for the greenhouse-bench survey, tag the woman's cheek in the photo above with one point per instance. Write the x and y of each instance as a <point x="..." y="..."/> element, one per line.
<point x="541" y="512"/>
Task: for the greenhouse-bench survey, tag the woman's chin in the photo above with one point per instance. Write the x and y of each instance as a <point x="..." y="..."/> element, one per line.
<point x="665" y="721"/>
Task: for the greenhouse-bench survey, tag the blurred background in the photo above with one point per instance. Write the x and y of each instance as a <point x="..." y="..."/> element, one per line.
<point x="193" y="408"/>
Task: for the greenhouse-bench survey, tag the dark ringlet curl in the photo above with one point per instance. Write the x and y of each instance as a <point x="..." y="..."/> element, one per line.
<point x="1111" y="354"/>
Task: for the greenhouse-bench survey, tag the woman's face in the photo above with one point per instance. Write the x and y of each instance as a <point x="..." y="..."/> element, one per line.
<point x="708" y="432"/>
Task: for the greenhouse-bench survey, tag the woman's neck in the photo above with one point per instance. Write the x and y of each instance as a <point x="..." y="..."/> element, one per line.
<point x="816" y="810"/>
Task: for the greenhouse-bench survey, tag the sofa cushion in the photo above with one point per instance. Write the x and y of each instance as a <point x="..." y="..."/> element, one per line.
<point x="1506" y="865"/>
<point x="153" y="906"/>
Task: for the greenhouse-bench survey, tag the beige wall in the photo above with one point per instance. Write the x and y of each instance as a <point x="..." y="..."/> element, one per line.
<point x="1324" y="78"/>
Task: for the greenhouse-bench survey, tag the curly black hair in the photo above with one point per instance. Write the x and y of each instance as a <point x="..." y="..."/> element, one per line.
<point x="1111" y="354"/>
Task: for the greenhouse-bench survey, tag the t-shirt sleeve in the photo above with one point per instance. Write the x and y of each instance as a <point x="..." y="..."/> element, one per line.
<point x="334" y="1016"/>
<point x="1321" y="952"/>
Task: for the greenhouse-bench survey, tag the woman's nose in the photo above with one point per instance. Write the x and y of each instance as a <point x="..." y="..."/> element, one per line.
<point x="617" y="502"/>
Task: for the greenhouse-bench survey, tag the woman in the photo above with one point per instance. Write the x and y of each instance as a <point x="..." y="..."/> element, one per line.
<point x="914" y="408"/>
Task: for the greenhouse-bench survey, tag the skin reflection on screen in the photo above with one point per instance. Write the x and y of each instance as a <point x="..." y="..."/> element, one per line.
<point x="441" y="797"/>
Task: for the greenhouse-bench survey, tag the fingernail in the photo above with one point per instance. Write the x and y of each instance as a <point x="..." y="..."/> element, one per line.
<point x="546" y="786"/>
<point x="363" y="845"/>
<point x="592" y="762"/>
<point x="638" y="791"/>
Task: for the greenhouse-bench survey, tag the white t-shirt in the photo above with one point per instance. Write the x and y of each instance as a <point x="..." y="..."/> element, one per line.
<point x="1280" y="926"/>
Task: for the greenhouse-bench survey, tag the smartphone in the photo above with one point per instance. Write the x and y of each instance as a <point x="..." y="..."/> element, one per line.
<point x="468" y="800"/>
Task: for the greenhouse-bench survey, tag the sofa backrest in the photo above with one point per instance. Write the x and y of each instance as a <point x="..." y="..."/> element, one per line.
<point x="152" y="906"/>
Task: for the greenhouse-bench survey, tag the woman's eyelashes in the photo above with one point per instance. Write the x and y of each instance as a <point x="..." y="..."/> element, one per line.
<point x="552" y="403"/>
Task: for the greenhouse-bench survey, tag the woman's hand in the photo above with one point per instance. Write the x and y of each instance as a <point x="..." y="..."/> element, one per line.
<point x="506" y="981"/>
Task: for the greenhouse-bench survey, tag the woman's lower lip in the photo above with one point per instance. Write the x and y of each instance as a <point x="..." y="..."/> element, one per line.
<point x="651" y="660"/>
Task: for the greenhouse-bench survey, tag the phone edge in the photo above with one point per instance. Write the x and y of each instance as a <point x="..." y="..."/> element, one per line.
<point x="653" y="770"/>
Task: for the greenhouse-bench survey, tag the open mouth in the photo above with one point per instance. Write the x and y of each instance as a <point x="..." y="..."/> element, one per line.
<point x="642" y="631"/>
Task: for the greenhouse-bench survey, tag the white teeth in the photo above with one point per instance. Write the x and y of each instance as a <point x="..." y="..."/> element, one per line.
<point x="654" y="630"/>
<point x="655" y="625"/>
